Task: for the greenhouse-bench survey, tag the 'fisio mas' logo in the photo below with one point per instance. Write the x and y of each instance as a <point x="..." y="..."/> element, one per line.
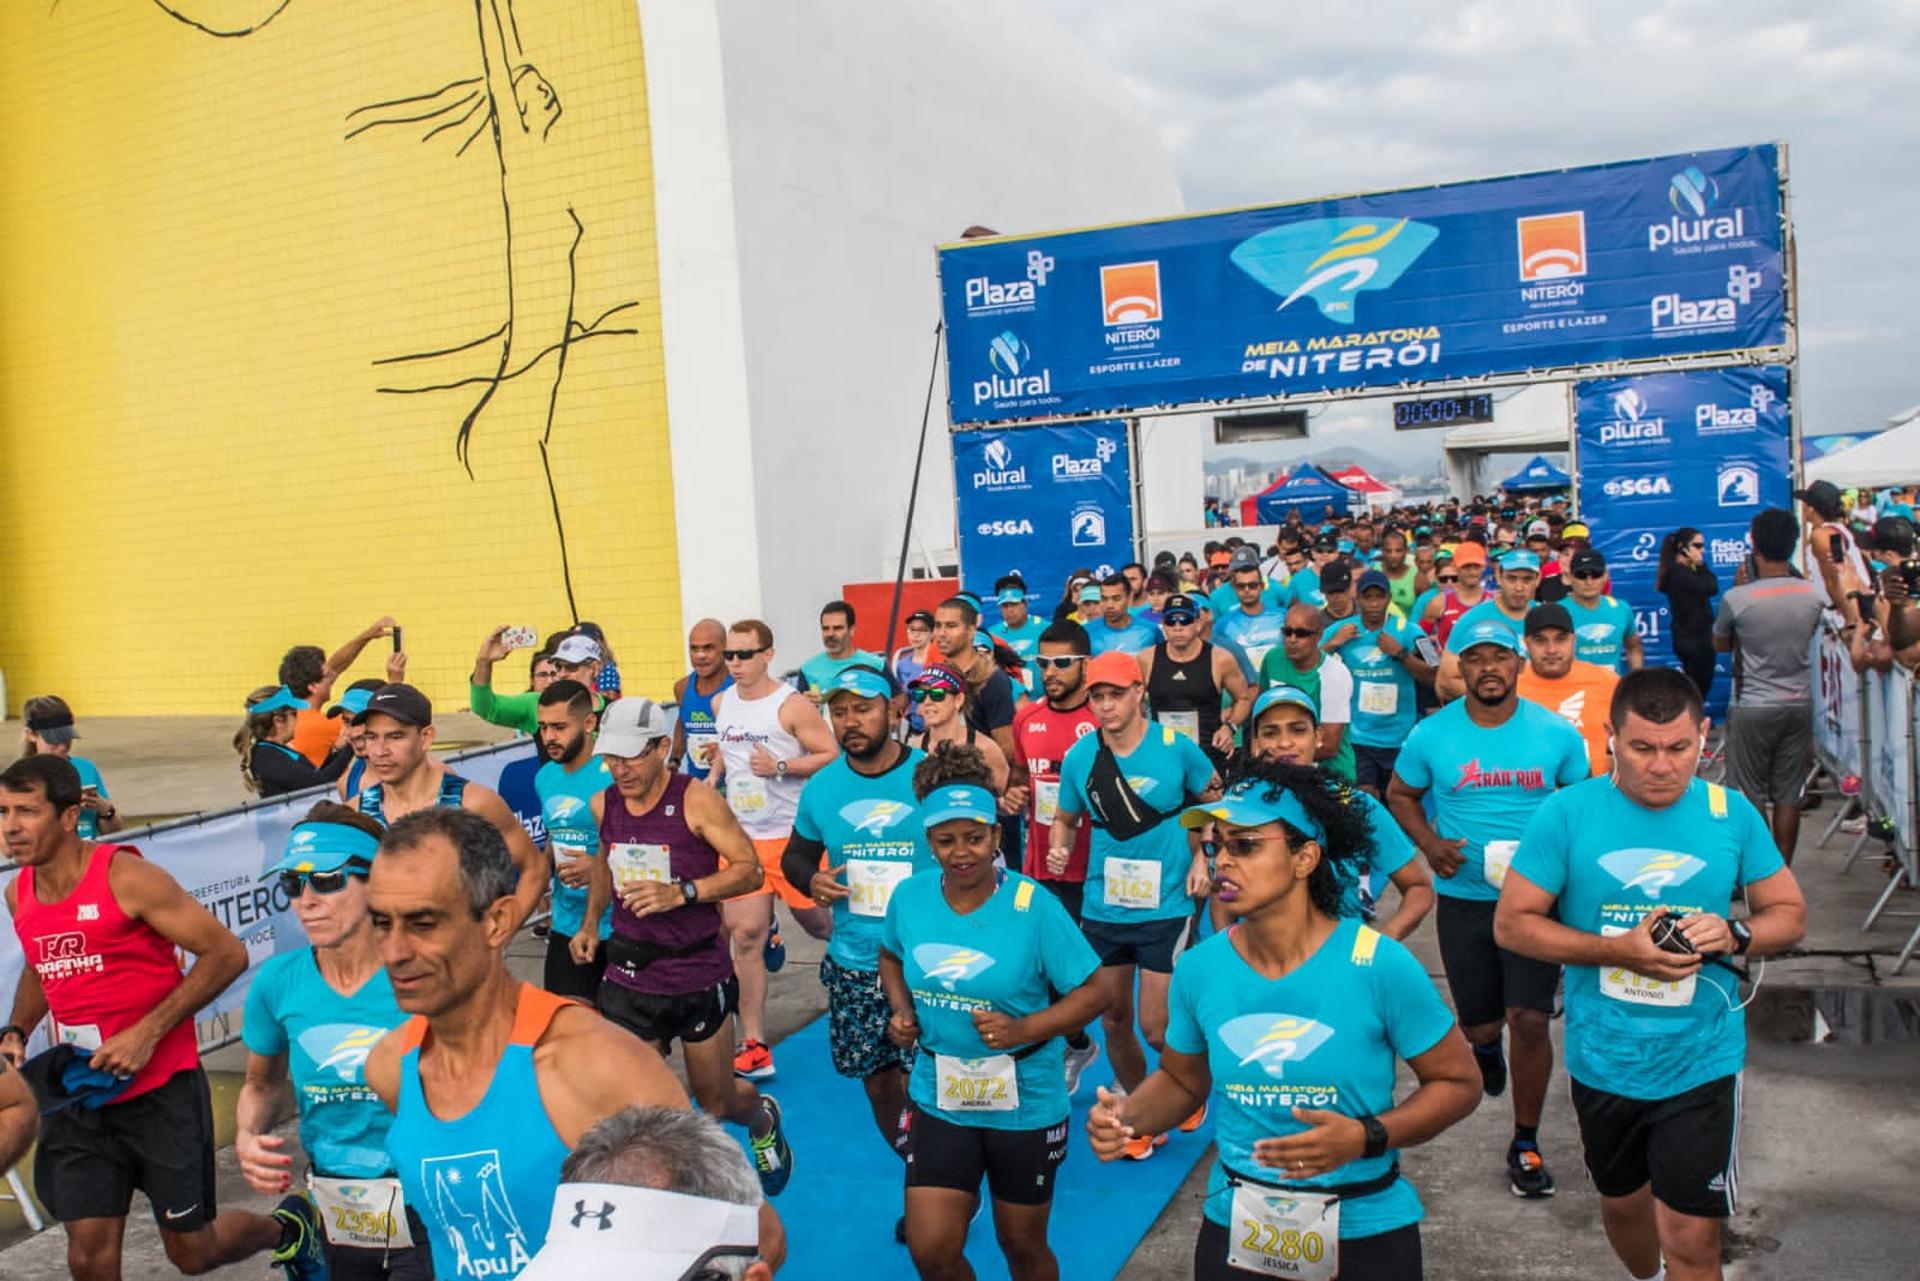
<point x="1332" y="259"/>
<point x="1011" y="378"/>
<point x="1651" y="871"/>
<point x="996" y="467"/>
<point x="1631" y="424"/>
<point x="1274" y="1040"/>
<point x="1553" y="245"/>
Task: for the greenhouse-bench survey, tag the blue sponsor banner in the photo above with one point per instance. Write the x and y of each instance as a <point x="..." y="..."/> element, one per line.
<point x="1044" y="501"/>
<point x="1640" y="260"/>
<point x="1706" y="448"/>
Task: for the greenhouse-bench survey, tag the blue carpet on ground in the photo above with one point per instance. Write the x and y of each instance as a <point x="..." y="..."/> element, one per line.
<point x="847" y="1186"/>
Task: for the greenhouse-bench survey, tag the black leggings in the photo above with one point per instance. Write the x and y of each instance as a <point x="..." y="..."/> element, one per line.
<point x="1390" y="1256"/>
<point x="1697" y="660"/>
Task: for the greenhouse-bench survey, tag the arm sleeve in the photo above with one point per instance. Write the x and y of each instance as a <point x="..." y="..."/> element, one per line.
<point x="284" y="773"/>
<point x="259" y="1028"/>
<point x="1416" y="1018"/>
<point x="1542" y="856"/>
<point x="1184" y="1033"/>
<point x="514" y="711"/>
<point x="801" y="859"/>
<point x="1336" y="692"/>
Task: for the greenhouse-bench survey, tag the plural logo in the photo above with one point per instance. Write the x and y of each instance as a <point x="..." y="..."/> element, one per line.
<point x="1631" y="424"/>
<point x="997" y="470"/>
<point x="1088" y="528"/>
<point x="1011" y="377"/>
<point x="1651" y="871"/>
<point x="1332" y="259"/>
<point x="1638" y="487"/>
<point x="1272" y="1041"/>
<point x="1739" y="485"/>
<point x="1553" y="246"/>
<point x="986" y="296"/>
<point x="1130" y="293"/>
<point x="947" y="965"/>
<point x="1696" y="225"/>
<point x="1672" y="313"/>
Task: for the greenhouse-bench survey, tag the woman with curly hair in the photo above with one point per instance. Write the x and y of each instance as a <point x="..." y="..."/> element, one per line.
<point x="1298" y="1015"/>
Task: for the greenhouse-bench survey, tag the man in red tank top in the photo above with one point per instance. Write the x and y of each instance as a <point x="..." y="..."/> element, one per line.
<point x="102" y="929"/>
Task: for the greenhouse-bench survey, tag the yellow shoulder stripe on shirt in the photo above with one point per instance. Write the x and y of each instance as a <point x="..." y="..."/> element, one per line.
<point x="1166" y="735"/>
<point x="1366" y="940"/>
<point x="1023" y="896"/>
<point x="1716" y="800"/>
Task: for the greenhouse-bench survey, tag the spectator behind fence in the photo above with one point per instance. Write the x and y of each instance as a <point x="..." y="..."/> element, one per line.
<point x="657" y="1194"/>
<point x="1689" y="587"/>
<point x="269" y="765"/>
<point x="513" y="711"/>
<point x="1890" y="628"/>
<point x="1767" y="623"/>
<point x="50" y="732"/>
<point x="309" y="672"/>
<point x="606" y="680"/>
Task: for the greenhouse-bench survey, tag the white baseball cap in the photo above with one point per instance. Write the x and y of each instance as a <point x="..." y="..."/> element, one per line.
<point x="577" y="649"/>
<point x="627" y="725"/>
<point x="639" y="1234"/>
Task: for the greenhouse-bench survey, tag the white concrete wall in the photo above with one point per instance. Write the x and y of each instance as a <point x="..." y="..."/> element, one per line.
<point x="1172" y="463"/>
<point x="859" y="134"/>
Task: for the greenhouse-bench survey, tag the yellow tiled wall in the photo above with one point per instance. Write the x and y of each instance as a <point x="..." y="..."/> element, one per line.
<point x="199" y="269"/>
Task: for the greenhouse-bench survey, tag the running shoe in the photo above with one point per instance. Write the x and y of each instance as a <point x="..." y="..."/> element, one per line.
<point x="772" y="1154"/>
<point x="1527" y="1172"/>
<point x="301" y="1253"/>
<point x="1139" y="1149"/>
<point x="754" y="1061"/>
<point x="1078" y="1061"/>
<point x="775" y="952"/>
<point x="1493" y="1068"/>
<point x="1195" y="1121"/>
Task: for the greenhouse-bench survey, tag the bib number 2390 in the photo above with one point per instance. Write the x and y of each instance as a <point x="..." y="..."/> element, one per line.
<point x="1284" y="1234"/>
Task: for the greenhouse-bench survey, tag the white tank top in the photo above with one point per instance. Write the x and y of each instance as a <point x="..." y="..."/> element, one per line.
<point x="764" y="806"/>
<point x="1853" y="563"/>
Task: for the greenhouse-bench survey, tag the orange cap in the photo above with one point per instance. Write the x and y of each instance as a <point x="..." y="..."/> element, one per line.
<point x="1113" y="668"/>
<point x="1469" y="554"/>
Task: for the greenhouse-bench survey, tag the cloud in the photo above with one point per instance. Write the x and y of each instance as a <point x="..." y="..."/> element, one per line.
<point x="1265" y="103"/>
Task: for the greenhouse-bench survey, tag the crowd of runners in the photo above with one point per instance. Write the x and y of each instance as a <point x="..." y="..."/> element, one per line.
<point x="1196" y="808"/>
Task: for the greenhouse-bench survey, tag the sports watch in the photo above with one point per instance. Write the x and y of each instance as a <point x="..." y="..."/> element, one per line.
<point x="689" y="891"/>
<point x="1742" y="936"/>
<point x="1376" y="1136"/>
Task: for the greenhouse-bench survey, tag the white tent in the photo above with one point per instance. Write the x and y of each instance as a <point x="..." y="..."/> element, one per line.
<point x="1891" y="458"/>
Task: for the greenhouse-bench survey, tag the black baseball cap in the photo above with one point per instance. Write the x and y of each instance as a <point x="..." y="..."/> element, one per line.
<point x="1336" y="576"/>
<point x="1182" y="604"/>
<point x="1823" y="496"/>
<point x="402" y="702"/>
<point x="1586" y="560"/>
<point x="1552" y="616"/>
<point x="921" y="616"/>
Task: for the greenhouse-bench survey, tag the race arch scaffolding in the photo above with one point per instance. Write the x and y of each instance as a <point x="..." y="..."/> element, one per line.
<point x="1660" y="293"/>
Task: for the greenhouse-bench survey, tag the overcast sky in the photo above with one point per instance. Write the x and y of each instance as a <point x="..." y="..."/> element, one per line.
<point x="1271" y="102"/>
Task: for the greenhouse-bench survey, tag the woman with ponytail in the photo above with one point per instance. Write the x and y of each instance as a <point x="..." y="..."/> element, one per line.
<point x="1299" y="1016"/>
<point x="1689" y="586"/>
<point x="268" y="763"/>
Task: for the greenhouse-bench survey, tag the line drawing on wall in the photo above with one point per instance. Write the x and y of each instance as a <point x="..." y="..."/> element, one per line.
<point x="513" y="103"/>
<point x="206" y="24"/>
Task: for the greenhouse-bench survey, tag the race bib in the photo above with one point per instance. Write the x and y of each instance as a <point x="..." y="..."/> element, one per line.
<point x="1132" y="882"/>
<point x="1379" y="698"/>
<point x="1277" y="1233"/>
<point x="871" y="883"/>
<point x="991" y="1084"/>
<point x="366" y="1213"/>
<point x="701" y="745"/>
<point x="1046" y="800"/>
<point x="632" y="864"/>
<point x="1256" y="654"/>
<point x="1498" y="857"/>
<point x="746" y="793"/>
<point x="81" y="1036"/>
<point x="1185" y="724"/>
<point x="1623" y="984"/>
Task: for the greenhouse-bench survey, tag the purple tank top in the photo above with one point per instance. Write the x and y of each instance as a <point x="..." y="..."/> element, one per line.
<point x="690" y="858"/>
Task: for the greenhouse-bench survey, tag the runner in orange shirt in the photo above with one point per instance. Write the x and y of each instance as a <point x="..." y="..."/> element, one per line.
<point x="1553" y="678"/>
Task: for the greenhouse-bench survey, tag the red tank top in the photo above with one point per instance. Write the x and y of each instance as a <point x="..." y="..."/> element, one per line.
<point x="1451" y="609"/>
<point x="102" y="970"/>
<point x="1041" y="737"/>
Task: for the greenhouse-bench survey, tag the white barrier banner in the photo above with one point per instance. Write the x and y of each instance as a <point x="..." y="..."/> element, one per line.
<point x="219" y="859"/>
<point x="1836" y="703"/>
<point x="1889" y="710"/>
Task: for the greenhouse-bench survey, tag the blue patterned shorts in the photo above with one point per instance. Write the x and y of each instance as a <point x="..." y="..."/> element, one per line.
<point x="857" y="1018"/>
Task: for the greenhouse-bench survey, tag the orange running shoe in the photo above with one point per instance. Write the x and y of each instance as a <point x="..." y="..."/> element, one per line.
<point x="1140" y="1148"/>
<point x="1195" y="1121"/>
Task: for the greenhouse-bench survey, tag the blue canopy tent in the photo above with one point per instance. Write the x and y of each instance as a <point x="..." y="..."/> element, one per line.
<point x="1309" y="491"/>
<point x="1537" y="476"/>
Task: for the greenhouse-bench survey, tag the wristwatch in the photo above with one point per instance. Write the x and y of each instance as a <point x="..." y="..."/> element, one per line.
<point x="1742" y="936"/>
<point x="1376" y="1136"/>
<point x="689" y="892"/>
<point x="779" y="769"/>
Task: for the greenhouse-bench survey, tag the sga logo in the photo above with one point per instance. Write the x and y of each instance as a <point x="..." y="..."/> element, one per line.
<point x="1003" y="528"/>
<point x="1638" y="487"/>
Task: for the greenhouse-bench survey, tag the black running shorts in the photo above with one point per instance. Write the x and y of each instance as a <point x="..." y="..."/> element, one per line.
<point x="689" y="1017"/>
<point x="161" y="1142"/>
<point x="1486" y="979"/>
<point x="1147" y="944"/>
<point x="1018" y="1165"/>
<point x="1684" y="1145"/>
<point x="1387" y="1256"/>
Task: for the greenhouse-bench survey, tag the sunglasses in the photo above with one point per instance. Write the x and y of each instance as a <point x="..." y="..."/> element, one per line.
<point x="1697" y="544"/>
<point x="1447" y="578"/>
<point x="1593" y="573"/>
<point x="1298" y="632"/>
<point x="293" y="884"/>
<point x="741" y="655"/>
<point x="1058" y="662"/>
<point x="1178" y="620"/>
<point x="924" y="695"/>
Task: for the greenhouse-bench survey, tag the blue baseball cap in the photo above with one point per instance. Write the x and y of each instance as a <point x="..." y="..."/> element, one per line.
<point x="858" y="679"/>
<point x="1374" y="578"/>
<point x="1255" y="803"/>
<point x="1488" y="631"/>
<point x="1089" y="592"/>
<point x="1520" y="558"/>
<point x="324" y="847"/>
<point x="958" y="800"/>
<point x="281" y="700"/>
<point x="1010" y="596"/>
<point x="1288" y="695"/>
<point x="983" y="640"/>
<point x="1346" y="546"/>
<point x="353" y="702"/>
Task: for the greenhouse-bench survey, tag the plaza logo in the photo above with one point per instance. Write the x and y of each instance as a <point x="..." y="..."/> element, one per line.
<point x="1631" y="424"/>
<point x="1011" y="376"/>
<point x="1739" y="485"/>
<point x="1713" y="420"/>
<point x="1332" y="259"/>
<point x="1673" y="314"/>
<point x="997" y="470"/>
<point x="986" y="296"/>
<point x="1069" y="467"/>
<point x="1697" y="225"/>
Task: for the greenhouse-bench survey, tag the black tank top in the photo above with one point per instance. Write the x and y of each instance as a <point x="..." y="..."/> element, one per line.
<point x="1186" y="687"/>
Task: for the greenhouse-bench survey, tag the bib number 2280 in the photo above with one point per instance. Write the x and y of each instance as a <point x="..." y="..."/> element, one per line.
<point x="1284" y="1234"/>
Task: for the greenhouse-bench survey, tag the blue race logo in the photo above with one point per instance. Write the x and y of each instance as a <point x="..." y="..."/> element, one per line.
<point x="873" y="818"/>
<point x="1651" y="871"/>
<point x="1332" y="259"/>
<point x="948" y="965"/>
<point x="1273" y="1040"/>
<point x="1692" y="192"/>
<point x="1596" y="633"/>
<point x="341" y="1048"/>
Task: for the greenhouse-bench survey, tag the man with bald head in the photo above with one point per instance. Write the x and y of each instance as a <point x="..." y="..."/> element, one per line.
<point x="694" y="736"/>
<point x="1300" y="662"/>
